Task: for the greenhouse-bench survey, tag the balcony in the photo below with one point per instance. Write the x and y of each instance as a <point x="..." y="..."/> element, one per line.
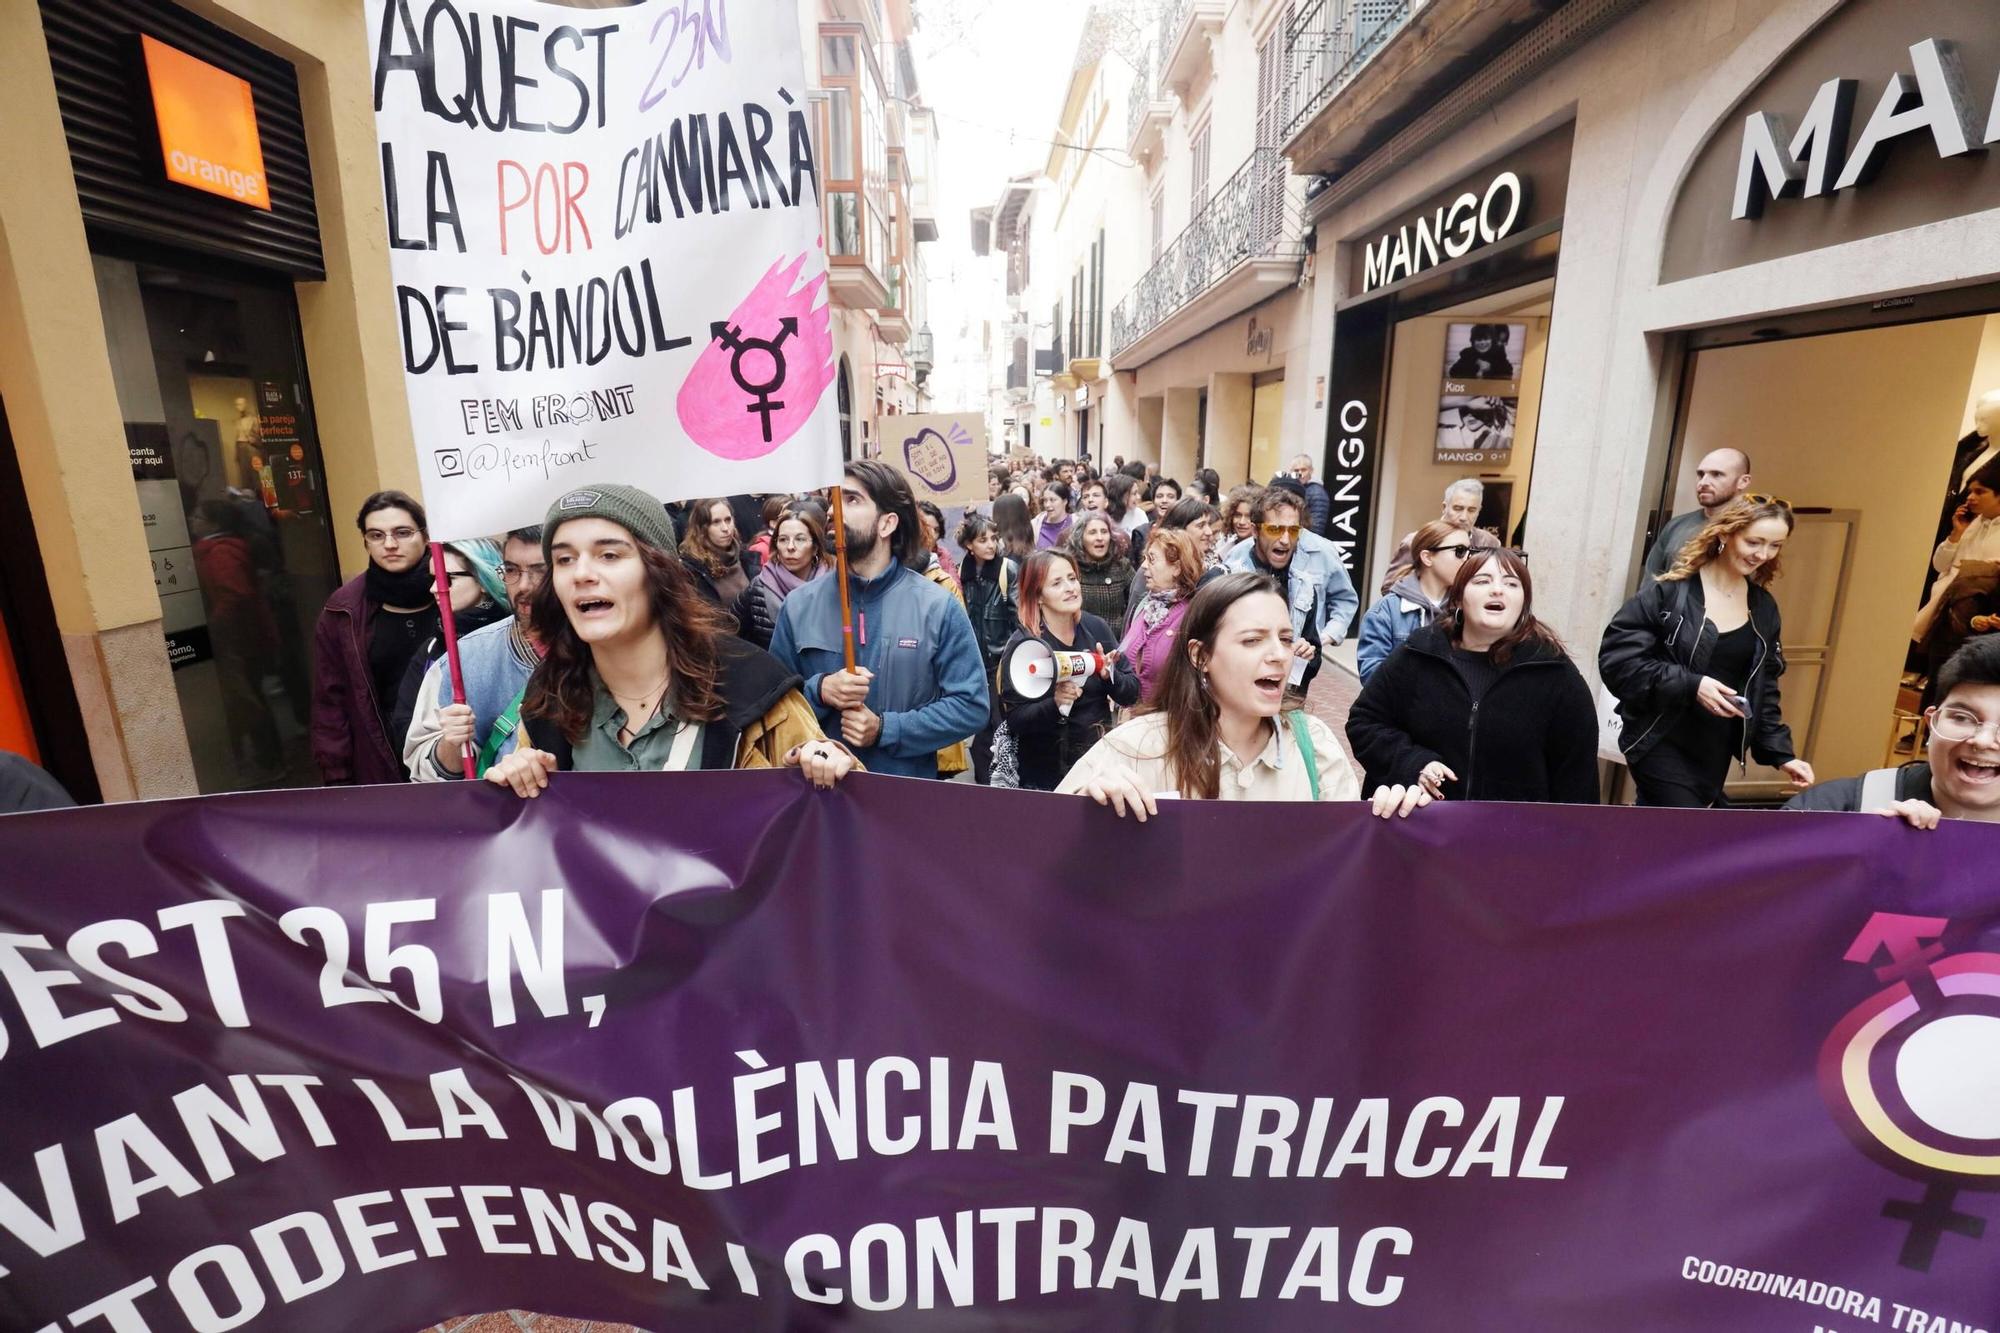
<point x="892" y="317"/>
<point x="1243" y="248"/>
<point x="1148" y="112"/>
<point x="1327" y="44"/>
<point x="1186" y="28"/>
<point x="923" y="354"/>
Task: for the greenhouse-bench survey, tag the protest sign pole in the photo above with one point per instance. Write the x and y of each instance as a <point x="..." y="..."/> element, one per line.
<point x="450" y="631"/>
<point x="840" y="572"/>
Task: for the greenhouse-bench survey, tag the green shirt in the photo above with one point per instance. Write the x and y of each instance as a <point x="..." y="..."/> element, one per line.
<point x="651" y="748"/>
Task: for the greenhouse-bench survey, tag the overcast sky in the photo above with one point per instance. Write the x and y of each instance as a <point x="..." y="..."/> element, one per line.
<point x="995" y="73"/>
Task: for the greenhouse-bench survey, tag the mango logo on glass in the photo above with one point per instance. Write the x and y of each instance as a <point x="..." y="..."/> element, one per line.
<point x="1912" y="1074"/>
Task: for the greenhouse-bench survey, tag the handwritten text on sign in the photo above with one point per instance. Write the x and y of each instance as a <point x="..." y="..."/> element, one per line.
<point x="606" y="240"/>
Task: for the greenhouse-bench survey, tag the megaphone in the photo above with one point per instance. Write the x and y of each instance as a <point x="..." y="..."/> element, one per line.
<point x="1035" y="668"/>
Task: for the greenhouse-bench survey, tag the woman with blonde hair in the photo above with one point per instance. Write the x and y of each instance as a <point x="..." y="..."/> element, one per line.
<point x="1694" y="660"/>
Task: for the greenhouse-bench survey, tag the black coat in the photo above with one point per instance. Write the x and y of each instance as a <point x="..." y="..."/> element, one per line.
<point x="703" y="580"/>
<point x="1533" y="737"/>
<point x="1046" y="741"/>
<point x="990" y="589"/>
<point x="1105" y="584"/>
<point x="1656" y="651"/>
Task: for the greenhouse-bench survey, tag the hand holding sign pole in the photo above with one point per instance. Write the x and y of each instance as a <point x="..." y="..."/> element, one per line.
<point x="449" y="628"/>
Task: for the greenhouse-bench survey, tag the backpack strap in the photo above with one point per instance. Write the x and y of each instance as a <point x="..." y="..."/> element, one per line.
<point x="1878" y="789"/>
<point x="500" y="733"/>
<point x="1303" y="736"/>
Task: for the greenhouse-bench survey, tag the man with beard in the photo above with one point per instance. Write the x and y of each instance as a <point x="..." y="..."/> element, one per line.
<point x="1719" y="478"/>
<point x="919" y="684"/>
<point x="1307" y="569"/>
<point x="495" y="662"/>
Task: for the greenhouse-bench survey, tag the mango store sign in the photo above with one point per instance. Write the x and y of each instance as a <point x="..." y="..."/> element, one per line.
<point x="1449" y="231"/>
<point x="1816" y="159"/>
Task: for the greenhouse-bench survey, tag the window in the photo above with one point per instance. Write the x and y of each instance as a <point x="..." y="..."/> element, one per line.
<point x="1273" y="85"/>
<point x="858" y="207"/>
<point x="1159" y="223"/>
<point x="1198" y="165"/>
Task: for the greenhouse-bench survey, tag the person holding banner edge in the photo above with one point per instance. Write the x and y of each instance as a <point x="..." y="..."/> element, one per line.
<point x="642" y="673"/>
<point x="1960" y="778"/>
<point x="495" y="664"/>
<point x="1219" y="727"/>
<point x="917" y="686"/>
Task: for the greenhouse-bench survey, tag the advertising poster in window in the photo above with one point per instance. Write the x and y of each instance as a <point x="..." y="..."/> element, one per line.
<point x="1480" y="404"/>
<point x="607" y="250"/>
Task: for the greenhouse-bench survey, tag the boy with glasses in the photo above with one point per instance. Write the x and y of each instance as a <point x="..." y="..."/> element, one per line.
<point x="1308" y="572"/>
<point x="1960" y="775"/>
<point x="367" y="633"/>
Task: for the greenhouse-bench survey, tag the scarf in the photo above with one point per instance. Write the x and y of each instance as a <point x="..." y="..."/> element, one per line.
<point x="1155" y="609"/>
<point x="782" y="581"/>
<point x="414" y="587"/>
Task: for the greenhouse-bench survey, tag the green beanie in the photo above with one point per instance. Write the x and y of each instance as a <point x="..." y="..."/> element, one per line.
<point x="627" y="506"/>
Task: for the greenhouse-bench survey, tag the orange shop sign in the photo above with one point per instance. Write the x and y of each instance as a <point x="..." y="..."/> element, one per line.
<point x="208" y="125"/>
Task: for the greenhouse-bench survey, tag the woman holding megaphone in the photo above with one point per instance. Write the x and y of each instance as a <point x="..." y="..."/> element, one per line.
<point x="1060" y="674"/>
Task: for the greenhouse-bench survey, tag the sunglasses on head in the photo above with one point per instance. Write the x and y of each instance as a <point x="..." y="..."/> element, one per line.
<point x="1760" y="499"/>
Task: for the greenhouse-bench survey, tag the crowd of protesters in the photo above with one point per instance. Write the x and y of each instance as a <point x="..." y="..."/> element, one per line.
<point x="1124" y="637"/>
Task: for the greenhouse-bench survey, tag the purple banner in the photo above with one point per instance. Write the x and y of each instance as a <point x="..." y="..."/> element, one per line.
<point x="718" y="1052"/>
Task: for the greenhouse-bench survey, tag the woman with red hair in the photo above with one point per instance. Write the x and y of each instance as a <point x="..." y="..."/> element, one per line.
<point x="1051" y="732"/>
<point x="1173" y="568"/>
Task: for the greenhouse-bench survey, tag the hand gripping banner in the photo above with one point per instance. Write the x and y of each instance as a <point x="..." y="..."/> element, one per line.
<point x="719" y="1052"/>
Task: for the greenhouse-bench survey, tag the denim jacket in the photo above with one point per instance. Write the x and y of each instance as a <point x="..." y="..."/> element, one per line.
<point x="1319" y="581"/>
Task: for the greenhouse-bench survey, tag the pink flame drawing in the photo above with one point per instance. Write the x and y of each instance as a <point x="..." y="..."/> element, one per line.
<point x="764" y="370"/>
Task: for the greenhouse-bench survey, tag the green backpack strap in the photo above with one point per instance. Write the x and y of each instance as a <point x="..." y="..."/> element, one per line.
<point x="1305" y="740"/>
<point x="500" y="733"/>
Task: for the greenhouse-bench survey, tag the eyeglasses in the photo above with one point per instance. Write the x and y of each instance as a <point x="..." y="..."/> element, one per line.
<point x="515" y="573"/>
<point x="1953" y="724"/>
<point x="375" y="536"/>
<point x="1279" y="531"/>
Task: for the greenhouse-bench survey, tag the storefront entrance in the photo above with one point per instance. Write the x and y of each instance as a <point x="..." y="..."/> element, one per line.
<point x="1874" y="428"/>
<point x="226" y="460"/>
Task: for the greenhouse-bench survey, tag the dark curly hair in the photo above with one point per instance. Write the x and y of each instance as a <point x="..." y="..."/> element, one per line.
<point x="561" y="691"/>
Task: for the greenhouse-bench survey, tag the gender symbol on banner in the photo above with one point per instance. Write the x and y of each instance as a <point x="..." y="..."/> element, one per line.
<point x="1912" y="1075"/>
<point x="779" y="338"/>
<point x="772" y="350"/>
<point x="926" y="455"/>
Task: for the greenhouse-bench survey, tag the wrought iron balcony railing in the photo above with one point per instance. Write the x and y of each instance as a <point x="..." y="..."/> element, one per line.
<point x="1327" y="44"/>
<point x="1253" y="216"/>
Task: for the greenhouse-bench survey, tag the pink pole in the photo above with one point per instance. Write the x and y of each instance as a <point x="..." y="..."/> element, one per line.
<point x="442" y="576"/>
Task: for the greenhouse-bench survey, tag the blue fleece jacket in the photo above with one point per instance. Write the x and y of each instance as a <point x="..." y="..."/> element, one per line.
<point x="930" y="680"/>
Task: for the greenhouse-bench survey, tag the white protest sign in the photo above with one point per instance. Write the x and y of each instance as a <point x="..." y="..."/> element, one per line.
<point x="944" y="457"/>
<point x="606" y="243"/>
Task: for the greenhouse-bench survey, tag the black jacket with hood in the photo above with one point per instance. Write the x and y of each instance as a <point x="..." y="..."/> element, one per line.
<point x="1656" y="651"/>
<point x="1532" y="737"/>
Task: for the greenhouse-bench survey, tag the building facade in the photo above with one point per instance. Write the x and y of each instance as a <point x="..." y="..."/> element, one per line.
<point x="1569" y="248"/>
<point x="180" y="358"/>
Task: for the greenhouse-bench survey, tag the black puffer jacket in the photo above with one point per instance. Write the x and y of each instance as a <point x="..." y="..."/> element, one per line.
<point x="1532" y="737"/>
<point x="1656" y="651"/>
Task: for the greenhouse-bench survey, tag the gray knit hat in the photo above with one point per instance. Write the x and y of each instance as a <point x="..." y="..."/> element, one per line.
<point x="627" y="506"/>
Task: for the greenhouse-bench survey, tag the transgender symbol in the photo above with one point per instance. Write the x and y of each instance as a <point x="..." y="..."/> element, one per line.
<point x="760" y="378"/>
<point x="770" y="351"/>
<point x="1912" y="1075"/>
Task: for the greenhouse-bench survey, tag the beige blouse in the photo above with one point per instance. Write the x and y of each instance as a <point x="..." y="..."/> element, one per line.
<point x="1276" y="773"/>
